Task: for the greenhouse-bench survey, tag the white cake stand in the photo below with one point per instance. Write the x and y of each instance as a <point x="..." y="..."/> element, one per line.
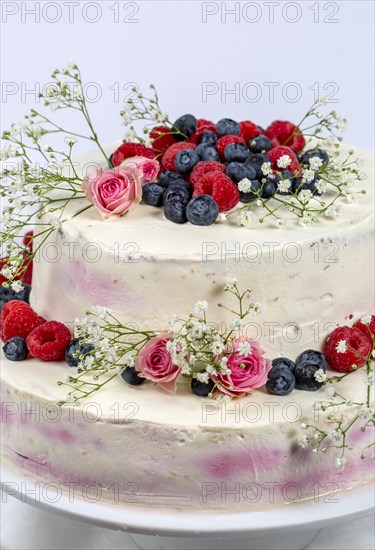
<point x="289" y="527"/>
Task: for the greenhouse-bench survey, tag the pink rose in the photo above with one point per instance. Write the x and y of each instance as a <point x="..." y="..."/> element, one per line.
<point x="149" y="167"/>
<point x="114" y="192"/>
<point x="247" y="372"/>
<point x="155" y="363"/>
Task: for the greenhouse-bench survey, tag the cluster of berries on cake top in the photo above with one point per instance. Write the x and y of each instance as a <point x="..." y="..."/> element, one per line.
<point x="208" y="168"/>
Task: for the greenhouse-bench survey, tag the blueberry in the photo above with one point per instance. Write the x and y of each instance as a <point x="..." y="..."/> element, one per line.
<point x="186" y="126"/>
<point x="131" y="376"/>
<point x="181" y="191"/>
<point x="259" y="144"/>
<point x="8" y="294"/>
<point x="207" y="152"/>
<point x="304" y="374"/>
<point x="185" y="160"/>
<point x="236" y="152"/>
<point x="168" y="177"/>
<point x="237" y="171"/>
<point x="281" y="381"/>
<point x="228" y="127"/>
<point x="307" y="185"/>
<point x="253" y="195"/>
<point x="280" y="178"/>
<point x="152" y="194"/>
<point x="75" y="349"/>
<point x="257" y="161"/>
<point x="320" y="153"/>
<point x="202" y="210"/>
<point x="268" y="188"/>
<point x="208" y="137"/>
<point x="15" y="349"/>
<point x="202" y="389"/>
<point x="313" y="356"/>
<point x="284" y="363"/>
<point x="175" y="210"/>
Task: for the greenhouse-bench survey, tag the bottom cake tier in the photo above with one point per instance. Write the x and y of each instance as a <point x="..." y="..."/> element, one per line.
<point x="141" y="445"/>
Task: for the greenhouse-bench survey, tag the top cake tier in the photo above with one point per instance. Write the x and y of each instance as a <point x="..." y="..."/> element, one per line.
<point x="144" y="268"/>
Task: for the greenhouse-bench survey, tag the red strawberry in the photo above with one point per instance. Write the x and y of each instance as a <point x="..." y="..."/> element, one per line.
<point x="162" y="138"/>
<point x="167" y="161"/>
<point x="282" y="132"/>
<point x="202" y="126"/>
<point x="220" y="187"/>
<point x="277" y="152"/>
<point x="127" y="150"/>
<point x="347" y="347"/>
<point x="249" y="130"/>
<point x="226" y="140"/>
<point x="49" y="341"/>
<point x="368" y="329"/>
<point x="18" y="319"/>
<point x="202" y="168"/>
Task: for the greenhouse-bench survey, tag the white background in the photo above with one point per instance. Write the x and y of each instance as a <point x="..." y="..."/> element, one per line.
<point x="292" y="48"/>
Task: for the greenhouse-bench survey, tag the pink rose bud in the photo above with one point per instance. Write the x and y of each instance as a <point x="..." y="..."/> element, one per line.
<point x="247" y="371"/>
<point x="114" y="192"/>
<point x="149" y="167"/>
<point x="155" y="363"/>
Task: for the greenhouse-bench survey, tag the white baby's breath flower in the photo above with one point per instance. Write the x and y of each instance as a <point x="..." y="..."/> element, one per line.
<point x="340" y="462"/>
<point x="200" y="307"/>
<point x="70" y="140"/>
<point x="315" y="163"/>
<point x="330" y="393"/>
<point x="280" y="222"/>
<point x="173" y="319"/>
<point x="284" y="161"/>
<point x="217" y="347"/>
<point x="333" y="211"/>
<point x="230" y="283"/>
<point x="366" y="319"/>
<point x="203" y="377"/>
<point x="320" y="375"/>
<point x="323" y="101"/>
<point x="244" y="348"/>
<point x="308" y="175"/>
<point x="305" y="196"/>
<point x="321" y="186"/>
<point x="256" y="309"/>
<point x="244" y="217"/>
<point x="284" y="185"/>
<point x="341" y="346"/>
<point x="303" y="441"/>
<point x="244" y="185"/>
<point x="266" y="168"/>
<point x="100" y="311"/>
<point x="236" y="324"/>
<point x="17" y="286"/>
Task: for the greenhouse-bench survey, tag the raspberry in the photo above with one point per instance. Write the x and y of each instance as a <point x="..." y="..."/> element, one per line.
<point x="226" y="140"/>
<point x="368" y="329"/>
<point x="347" y="347"/>
<point x="202" y="126"/>
<point x="220" y="187"/>
<point x="162" y="138"/>
<point x="280" y="132"/>
<point x="167" y="161"/>
<point x="127" y="150"/>
<point x="277" y="152"/>
<point x="49" y="341"/>
<point x="202" y="168"/>
<point x="249" y="130"/>
<point x="18" y="319"/>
